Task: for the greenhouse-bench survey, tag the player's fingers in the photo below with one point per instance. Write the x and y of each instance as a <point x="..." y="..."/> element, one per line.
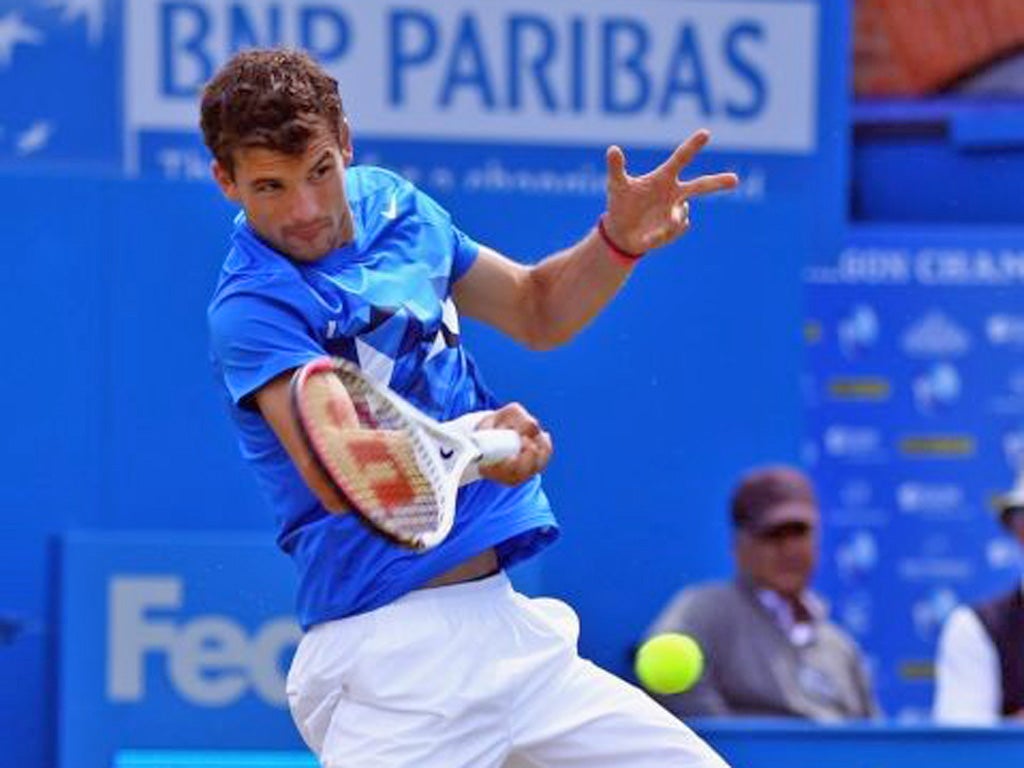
<point x="616" y="162"/>
<point x="511" y="472"/>
<point x="686" y="151"/>
<point x="505" y="472"/>
<point x="532" y="459"/>
<point x="705" y="185"/>
<point x="515" y="416"/>
<point x="544" y="450"/>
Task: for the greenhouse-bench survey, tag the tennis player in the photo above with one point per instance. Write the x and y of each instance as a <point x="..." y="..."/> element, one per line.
<point x="415" y="659"/>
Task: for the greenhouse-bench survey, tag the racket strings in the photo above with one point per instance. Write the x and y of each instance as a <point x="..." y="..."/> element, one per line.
<point x="380" y="414"/>
<point x="376" y="456"/>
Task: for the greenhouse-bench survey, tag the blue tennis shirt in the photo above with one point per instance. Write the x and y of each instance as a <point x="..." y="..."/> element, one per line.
<point x="384" y="302"/>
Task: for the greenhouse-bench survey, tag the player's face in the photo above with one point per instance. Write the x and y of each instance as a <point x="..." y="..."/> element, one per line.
<point x="295" y="203"/>
<point x="782" y="558"/>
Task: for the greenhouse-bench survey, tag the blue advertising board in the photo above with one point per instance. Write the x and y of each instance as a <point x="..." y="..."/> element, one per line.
<point x="173" y="641"/>
<point x="915" y="394"/>
<point x="123" y="87"/>
<point x="501" y="110"/>
<point x="749" y="743"/>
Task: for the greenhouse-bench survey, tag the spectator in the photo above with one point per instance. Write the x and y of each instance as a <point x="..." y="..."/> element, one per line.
<point x="979" y="670"/>
<point x="769" y="648"/>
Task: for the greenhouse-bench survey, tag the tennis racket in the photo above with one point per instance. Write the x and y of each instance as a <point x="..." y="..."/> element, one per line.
<point x="396" y="467"/>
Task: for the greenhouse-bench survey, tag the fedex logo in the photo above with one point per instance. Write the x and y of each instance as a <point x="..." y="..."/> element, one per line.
<point x="210" y="660"/>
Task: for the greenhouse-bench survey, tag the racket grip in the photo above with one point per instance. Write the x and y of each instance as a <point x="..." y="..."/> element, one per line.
<point x="497" y="444"/>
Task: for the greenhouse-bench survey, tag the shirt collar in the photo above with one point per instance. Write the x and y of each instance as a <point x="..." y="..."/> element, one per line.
<point x="800" y="629"/>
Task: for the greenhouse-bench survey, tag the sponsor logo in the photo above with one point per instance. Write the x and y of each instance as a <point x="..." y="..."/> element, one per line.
<point x="874" y="265"/>
<point x="929" y="612"/>
<point x="868" y="266"/>
<point x="854" y="443"/>
<point x="857" y="556"/>
<point x="211" y="660"/>
<point x="952" y="266"/>
<point x="1005" y="330"/>
<point x="969" y="266"/>
<point x="858" y="331"/>
<point x="917" y="670"/>
<point x="517" y="70"/>
<point x="936" y="335"/>
<point x="937" y="388"/>
<point x="864" y="388"/>
<point x="1004" y="553"/>
<point x="938" y="446"/>
<point x="1013" y="448"/>
<point x="916" y="497"/>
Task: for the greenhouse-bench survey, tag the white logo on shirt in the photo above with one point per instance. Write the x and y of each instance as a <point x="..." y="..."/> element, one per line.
<point x="391" y="212"/>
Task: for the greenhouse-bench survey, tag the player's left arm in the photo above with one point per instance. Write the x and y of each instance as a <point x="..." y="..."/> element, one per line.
<point x="547" y="304"/>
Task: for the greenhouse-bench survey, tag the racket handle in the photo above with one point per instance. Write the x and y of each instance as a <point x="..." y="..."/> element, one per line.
<point x="496" y="444"/>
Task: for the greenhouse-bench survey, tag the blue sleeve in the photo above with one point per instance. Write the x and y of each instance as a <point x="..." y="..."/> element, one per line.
<point x="466" y="251"/>
<point x="464" y="248"/>
<point x="254" y="339"/>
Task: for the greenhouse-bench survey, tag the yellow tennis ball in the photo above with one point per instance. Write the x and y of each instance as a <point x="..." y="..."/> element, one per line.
<point x="669" y="663"/>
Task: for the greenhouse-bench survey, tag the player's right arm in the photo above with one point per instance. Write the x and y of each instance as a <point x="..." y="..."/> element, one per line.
<point x="274" y="403"/>
<point x="547" y="304"/>
<point x="259" y="343"/>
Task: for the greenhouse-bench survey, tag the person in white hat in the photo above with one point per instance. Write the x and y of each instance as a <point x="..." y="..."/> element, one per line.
<point x="979" y="669"/>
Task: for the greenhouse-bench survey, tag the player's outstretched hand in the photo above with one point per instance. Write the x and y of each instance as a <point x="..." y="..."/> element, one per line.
<point x="536" y="450"/>
<point x="645" y="212"/>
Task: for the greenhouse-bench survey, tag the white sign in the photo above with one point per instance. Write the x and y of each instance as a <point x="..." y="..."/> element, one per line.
<point x="211" y="660"/>
<point x="547" y="71"/>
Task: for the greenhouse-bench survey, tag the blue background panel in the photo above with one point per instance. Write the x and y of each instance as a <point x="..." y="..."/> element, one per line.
<point x="750" y="744"/>
<point x="688" y="378"/>
<point x="173" y="628"/>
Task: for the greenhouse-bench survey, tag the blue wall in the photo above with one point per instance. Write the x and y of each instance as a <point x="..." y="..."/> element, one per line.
<point x="114" y="424"/>
<point x="689" y="378"/>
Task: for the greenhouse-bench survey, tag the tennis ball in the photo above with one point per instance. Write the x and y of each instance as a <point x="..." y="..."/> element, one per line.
<point x="669" y="663"/>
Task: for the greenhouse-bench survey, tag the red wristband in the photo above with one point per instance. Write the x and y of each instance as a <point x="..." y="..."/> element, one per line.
<point x="623" y="257"/>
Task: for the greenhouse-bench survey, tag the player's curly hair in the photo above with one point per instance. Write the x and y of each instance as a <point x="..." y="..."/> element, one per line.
<point x="266" y="98"/>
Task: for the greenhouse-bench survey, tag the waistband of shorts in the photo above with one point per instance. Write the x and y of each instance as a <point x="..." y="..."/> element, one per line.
<point x="495" y="583"/>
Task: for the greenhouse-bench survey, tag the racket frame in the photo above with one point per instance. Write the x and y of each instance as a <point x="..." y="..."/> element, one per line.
<point x="466" y="449"/>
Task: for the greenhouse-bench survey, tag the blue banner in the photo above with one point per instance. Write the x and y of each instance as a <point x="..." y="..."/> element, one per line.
<point x="173" y="641"/>
<point x="501" y="110"/>
<point x="113" y="86"/>
<point x="915" y="396"/>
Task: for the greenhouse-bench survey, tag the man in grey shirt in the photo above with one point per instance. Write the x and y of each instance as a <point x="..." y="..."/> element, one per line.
<point x="770" y="649"/>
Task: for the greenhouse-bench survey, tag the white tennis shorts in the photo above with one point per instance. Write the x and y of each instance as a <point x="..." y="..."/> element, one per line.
<point x="474" y="675"/>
